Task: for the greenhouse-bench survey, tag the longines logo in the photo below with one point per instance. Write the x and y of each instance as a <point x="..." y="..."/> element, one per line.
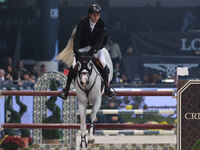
<point x="188" y="45"/>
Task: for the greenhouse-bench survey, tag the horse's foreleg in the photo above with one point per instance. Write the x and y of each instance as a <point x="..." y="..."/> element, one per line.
<point x="95" y="109"/>
<point x="93" y="114"/>
<point x="82" y="112"/>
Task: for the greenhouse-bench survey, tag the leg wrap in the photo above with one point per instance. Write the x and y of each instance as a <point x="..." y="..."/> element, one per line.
<point x="92" y="126"/>
<point x="83" y="140"/>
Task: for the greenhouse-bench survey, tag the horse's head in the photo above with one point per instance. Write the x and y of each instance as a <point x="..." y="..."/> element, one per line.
<point x="85" y="65"/>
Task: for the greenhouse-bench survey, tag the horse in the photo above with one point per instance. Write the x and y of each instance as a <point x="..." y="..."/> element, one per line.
<point x="88" y="84"/>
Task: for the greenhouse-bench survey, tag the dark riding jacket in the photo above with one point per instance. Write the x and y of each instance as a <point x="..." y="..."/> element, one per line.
<point x="84" y="36"/>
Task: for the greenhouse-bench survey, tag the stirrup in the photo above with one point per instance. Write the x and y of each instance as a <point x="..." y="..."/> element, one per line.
<point x="63" y="94"/>
<point x="110" y="93"/>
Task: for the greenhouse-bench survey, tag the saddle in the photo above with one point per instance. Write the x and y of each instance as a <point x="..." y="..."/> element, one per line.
<point x="98" y="65"/>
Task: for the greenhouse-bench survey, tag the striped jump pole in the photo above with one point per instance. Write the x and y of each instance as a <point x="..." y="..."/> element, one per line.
<point x="135" y="132"/>
<point x="97" y="126"/>
<point x="136" y="111"/>
<point x="73" y="93"/>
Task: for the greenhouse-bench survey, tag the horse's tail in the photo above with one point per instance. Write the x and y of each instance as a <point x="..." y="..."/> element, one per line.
<point x="67" y="55"/>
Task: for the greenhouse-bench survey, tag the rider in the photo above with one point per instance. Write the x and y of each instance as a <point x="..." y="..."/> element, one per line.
<point x="90" y="38"/>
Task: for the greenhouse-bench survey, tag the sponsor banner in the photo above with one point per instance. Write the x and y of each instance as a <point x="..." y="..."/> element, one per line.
<point x="166" y="43"/>
<point x="18" y="26"/>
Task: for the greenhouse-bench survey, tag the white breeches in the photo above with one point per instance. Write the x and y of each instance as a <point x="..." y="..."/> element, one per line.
<point x="99" y="55"/>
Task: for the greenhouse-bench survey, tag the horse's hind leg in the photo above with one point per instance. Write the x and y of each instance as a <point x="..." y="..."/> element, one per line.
<point x="82" y="112"/>
<point x="95" y="109"/>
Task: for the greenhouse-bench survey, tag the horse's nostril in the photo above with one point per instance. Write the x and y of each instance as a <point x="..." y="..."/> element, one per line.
<point x="81" y="82"/>
<point x="87" y="82"/>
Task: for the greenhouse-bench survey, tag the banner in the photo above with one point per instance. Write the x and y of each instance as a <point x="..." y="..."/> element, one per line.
<point x="166" y="43"/>
<point x="18" y="24"/>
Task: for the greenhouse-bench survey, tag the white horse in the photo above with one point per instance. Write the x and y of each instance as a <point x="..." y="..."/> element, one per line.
<point x="89" y="91"/>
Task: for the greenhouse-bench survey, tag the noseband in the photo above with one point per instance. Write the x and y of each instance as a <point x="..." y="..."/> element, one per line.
<point x="81" y="74"/>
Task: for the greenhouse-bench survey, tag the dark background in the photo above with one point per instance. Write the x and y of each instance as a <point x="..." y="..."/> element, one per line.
<point x="151" y="31"/>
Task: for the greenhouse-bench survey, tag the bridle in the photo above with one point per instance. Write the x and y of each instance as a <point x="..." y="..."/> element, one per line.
<point x="86" y="68"/>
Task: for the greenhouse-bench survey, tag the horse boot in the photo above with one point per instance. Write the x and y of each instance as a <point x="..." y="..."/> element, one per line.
<point x="83" y="140"/>
<point x="91" y="126"/>
<point x="64" y="93"/>
<point x="105" y="76"/>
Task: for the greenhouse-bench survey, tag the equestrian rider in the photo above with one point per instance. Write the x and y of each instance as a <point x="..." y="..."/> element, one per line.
<point x="90" y="38"/>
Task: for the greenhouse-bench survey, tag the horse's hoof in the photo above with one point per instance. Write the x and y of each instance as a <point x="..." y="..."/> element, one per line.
<point x="91" y="142"/>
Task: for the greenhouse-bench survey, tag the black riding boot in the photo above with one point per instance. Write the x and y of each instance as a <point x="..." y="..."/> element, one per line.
<point x="105" y="76"/>
<point x="64" y="93"/>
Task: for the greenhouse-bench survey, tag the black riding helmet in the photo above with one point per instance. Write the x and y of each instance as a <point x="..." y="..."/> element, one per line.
<point x="95" y="8"/>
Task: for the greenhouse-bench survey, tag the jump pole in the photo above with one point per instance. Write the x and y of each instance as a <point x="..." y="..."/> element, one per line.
<point x="133" y="111"/>
<point x="73" y="93"/>
<point x="97" y="126"/>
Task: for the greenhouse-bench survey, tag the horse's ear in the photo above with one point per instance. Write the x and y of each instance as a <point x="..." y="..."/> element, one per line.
<point x="89" y="65"/>
<point x="79" y="65"/>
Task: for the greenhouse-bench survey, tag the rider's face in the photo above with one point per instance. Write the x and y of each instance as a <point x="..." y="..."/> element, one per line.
<point x="94" y="17"/>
